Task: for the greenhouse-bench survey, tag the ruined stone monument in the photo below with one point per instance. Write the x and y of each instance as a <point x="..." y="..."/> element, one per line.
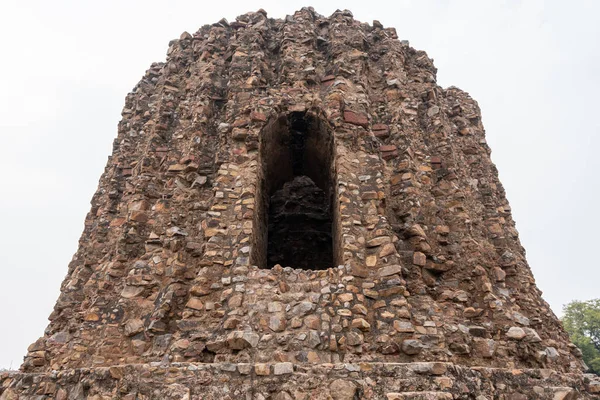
<point x="294" y="209"/>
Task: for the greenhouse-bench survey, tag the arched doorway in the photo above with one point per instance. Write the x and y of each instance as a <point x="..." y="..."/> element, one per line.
<point x="294" y="224"/>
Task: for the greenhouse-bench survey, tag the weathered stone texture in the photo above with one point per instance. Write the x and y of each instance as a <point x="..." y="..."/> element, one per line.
<point x="414" y="381"/>
<point x="171" y="270"/>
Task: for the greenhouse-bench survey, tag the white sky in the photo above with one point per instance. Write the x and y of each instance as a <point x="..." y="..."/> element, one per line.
<point x="66" y="67"/>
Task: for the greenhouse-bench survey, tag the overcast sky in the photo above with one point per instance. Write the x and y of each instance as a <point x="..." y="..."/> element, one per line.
<point x="66" y="67"/>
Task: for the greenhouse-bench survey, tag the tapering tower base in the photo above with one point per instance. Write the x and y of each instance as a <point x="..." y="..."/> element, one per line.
<point x="286" y="381"/>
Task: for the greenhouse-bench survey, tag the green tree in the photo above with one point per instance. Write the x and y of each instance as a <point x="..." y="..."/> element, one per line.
<point x="582" y="322"/>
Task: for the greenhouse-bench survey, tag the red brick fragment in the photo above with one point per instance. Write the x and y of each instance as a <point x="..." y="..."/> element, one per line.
<point x="241" y="122"/>
<point x="388" y="152"/>
<point x="381" y="131"/>
<point x="353" y="118"/>
<point x="138" y="216"/>
<point x="187" y="159"/>
<point x="258" y="116"/>
<point x="117" y="222"/>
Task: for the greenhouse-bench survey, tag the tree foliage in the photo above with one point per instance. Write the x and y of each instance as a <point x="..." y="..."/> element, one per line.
<point x="582" y="321"/>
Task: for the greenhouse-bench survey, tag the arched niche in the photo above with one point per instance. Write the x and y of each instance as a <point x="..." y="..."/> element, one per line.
<point x="296" y="208"/>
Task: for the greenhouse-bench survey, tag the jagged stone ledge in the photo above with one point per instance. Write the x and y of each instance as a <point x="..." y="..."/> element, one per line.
<point x="285" y="380"/>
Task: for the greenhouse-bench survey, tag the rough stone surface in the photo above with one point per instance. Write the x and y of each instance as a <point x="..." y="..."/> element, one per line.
<point x="516" y="333"/>
<point x="171" y="295"/>
<point x="371" y="381"/>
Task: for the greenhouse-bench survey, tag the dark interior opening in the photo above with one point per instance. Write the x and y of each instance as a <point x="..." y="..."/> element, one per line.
<point x="295" y="208"/>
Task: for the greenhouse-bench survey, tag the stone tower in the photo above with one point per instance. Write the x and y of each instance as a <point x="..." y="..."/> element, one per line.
<point x="294" y="209"/>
